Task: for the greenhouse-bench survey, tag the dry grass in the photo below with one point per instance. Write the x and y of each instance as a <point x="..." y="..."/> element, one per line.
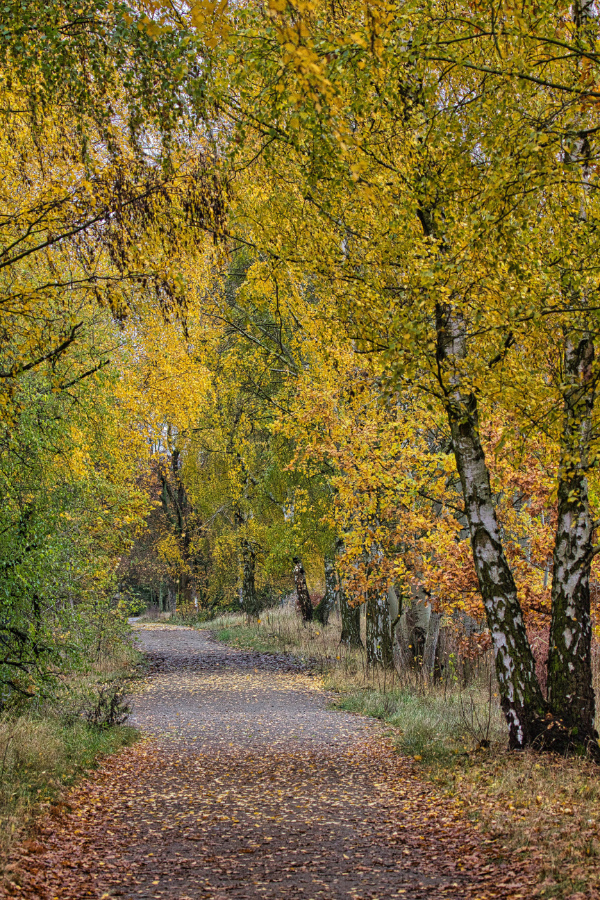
<point x="39" y="756"/>
<point x="154" y="615"/>
<point x="281" y="631"/>
<point x="539" y="805"/>
<point x="118" y="657"/>
<point x="47" y="746"/>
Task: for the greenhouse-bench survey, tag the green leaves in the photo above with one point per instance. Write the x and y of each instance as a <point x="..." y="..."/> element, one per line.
<point x="68" y="510"/>
<point x="94" y="58"/>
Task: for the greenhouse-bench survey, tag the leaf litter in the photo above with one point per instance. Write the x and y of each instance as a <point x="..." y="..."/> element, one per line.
<point x="247" y="786"/>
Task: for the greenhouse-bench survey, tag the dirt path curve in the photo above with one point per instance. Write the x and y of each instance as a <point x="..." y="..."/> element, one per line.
<point x="249" y="787"/>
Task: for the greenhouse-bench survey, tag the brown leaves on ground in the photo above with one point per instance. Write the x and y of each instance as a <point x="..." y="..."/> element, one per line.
<point x="244" y="824"/>
<point x="544" y="809"/>
<point x="226" y="802"/>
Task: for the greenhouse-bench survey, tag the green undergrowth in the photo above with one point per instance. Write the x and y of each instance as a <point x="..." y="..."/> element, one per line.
<point x="434" y="726"/>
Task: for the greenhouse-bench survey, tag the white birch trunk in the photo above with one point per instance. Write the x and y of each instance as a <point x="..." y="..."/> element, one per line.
<point x="520" y="694"/>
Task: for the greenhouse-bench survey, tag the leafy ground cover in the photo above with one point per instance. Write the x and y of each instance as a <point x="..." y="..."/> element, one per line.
<point x="543" y="807"/>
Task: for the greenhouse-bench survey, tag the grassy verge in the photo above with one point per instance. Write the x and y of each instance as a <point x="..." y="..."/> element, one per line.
<point x="40" y="757"/>
<point x="539" y="806"/>
<point x="46" y="748"/>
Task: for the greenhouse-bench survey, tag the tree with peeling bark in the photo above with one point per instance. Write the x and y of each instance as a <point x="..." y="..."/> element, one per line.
<point x="350" y="635"/>
<point x="378" y="630"/>
<point x="570" y="689"/>
<point x="521" y="696"/>
<point x="323" y="609"/>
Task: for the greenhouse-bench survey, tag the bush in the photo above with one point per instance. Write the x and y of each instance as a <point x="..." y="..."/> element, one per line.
<point x="110" y="708"/>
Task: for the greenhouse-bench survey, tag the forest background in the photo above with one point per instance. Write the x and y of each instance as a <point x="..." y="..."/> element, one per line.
<point x="296" y="288"/>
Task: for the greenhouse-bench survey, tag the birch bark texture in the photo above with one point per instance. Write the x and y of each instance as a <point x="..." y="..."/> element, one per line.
<point x="570" y="690"/>
<point x="323" y="610"/>
<point x="350" y="621"/>
<point x="431" y="643"/>
<point x="570" y="686"/>
<point x="380" y="650"/>
<point x="520" y="694"/>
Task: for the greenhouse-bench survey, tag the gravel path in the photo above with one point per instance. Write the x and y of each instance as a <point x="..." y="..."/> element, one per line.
<point x="209" y="695"/>
<point x="249" y="787"/>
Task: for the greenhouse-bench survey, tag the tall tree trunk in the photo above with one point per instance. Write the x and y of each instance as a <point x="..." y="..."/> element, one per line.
<point x="305" y="607"/>
<point x="323" y="610"/>
<point x="247" y="586"/>
<point x="185" y="589"/>
<point x="570" y="690"/>
<point x="350" y="621"/>
<point x="380" y="650"/>
<point x="520" y="693"/>
<point x="431" y="642"/>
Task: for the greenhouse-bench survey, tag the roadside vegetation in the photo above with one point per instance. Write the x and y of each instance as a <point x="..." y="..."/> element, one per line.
<point x="47" y="744"/>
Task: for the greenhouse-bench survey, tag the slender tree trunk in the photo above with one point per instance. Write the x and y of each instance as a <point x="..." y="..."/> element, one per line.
<point x="172" y="597"/>
<point x="248" y="587"/>
<point x="323" y="610"/>
<point x="305" y="607"/>
<point x="520" y="693"/>
<point x="399" y="632"/>
<point x="431" y="642"/>
<point x="570" y="690"/>
<point x="380" y="650"/>
<point x="185" y="589"/>
<point x="350" y="621"/>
